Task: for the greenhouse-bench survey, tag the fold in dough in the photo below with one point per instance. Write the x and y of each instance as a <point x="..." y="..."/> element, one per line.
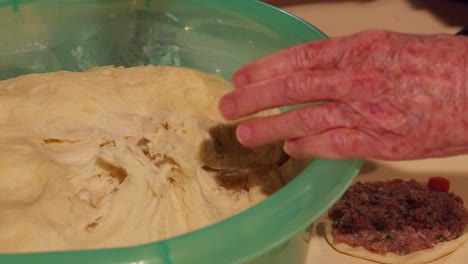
<point x="112" y="157"/>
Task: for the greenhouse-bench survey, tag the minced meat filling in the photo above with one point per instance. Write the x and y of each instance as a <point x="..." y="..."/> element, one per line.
<point x="397" y="216"/>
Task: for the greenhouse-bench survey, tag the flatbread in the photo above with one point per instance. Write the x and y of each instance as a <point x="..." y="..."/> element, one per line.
<point x="417" y="257"/>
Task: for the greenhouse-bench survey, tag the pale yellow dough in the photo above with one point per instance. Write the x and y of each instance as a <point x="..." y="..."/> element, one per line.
<point x="418" y="257"/>
<point x="111" y="157"/>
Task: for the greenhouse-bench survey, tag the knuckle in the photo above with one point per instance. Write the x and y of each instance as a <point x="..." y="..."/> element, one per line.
<point x="341" y="144"/>
<point x="375" y="35"/>
<point x="306" y="120"/>
<point x="295" y="88"/>
<point x="366" y="45"/>
<point x="301" y="57"/>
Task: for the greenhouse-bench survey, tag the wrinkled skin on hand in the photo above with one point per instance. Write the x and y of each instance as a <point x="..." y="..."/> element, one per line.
<point x="387" y="96"/>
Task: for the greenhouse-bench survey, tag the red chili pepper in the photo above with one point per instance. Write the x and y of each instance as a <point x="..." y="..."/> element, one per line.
<point x="438" y="184"/>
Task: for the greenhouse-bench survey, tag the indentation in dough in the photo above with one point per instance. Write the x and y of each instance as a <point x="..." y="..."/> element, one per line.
<point x="106" y="180"/>
<point x="91" y="226"/>
<point x="107" y="142"/>
<point x="156" y="158"/>
<point x="111" y="170"/>
<point x="143" y="144"/>
<point x="161" y="160"/>
<point x="59" y="140"/>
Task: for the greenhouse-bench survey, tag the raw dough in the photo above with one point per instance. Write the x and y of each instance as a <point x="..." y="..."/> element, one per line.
<point x="112" y="157"/>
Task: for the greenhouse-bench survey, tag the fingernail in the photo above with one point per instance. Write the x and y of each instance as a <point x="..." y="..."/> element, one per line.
<point x="244" y="133"/>
<point x="227" y="107"/>
<point x="289" y="147"/>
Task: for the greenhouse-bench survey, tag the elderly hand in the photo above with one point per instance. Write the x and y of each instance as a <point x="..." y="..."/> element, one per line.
<point x="387" y="95"/>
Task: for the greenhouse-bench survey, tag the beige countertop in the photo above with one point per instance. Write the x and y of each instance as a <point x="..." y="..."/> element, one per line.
<point x="341" y="17"/>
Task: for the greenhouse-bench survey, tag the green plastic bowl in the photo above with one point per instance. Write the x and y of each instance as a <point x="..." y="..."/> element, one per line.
<point x="216" y="36"/>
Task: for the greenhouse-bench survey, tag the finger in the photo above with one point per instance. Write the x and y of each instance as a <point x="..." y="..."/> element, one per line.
<point x="320" y="54"/>
<point x="341" y="143"/>
<point x="300" y="122"/>
<point x="298" y="88"/>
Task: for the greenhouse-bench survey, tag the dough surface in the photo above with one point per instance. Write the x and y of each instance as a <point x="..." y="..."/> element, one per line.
<point x="113" y="157"/>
